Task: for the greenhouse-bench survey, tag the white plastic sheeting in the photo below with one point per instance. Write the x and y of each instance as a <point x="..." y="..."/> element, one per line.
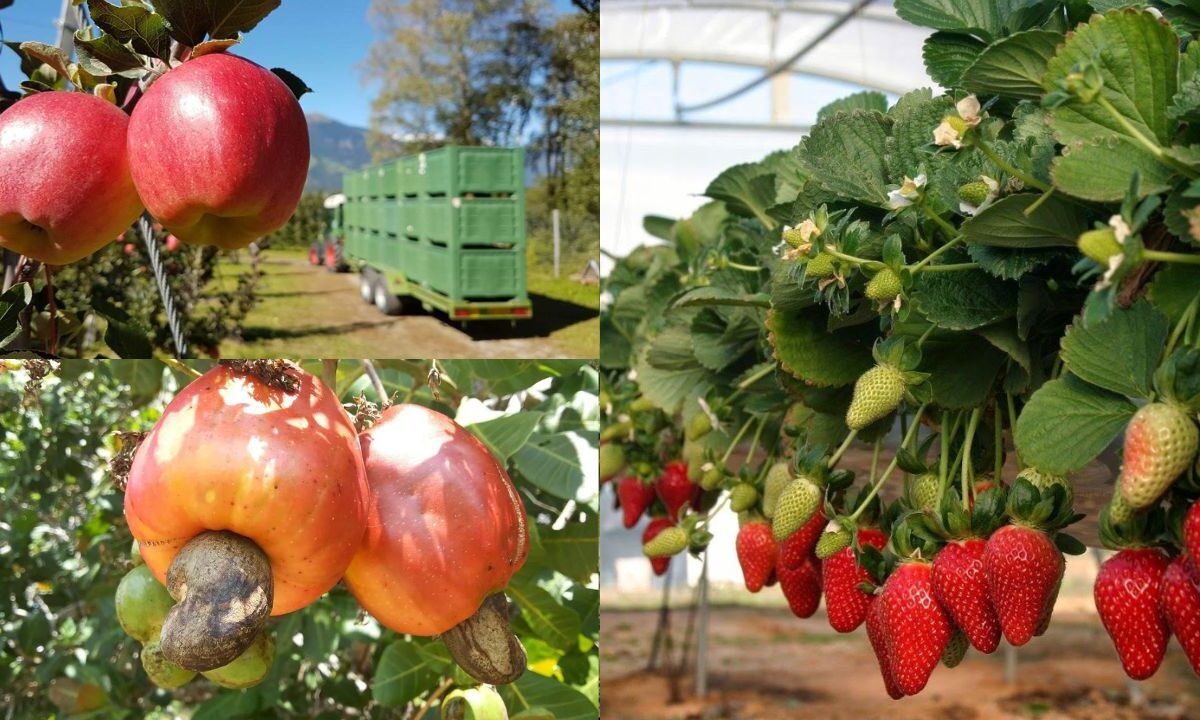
<point x="721" y="45"/>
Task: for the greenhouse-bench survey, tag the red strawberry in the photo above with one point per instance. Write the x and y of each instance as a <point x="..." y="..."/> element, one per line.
<point x="877" y="634"/>
<point x="652" y="530"/>
<point x="845" y="604"/>
<point x="635" y="497"/>
<point x="757" y="553"/>
<point x="960" y="585"/>
<point x="801" y="586"/>
<point x="1126" y="592"/>
<point x="1191" y="532"/>
<point x="798" y="547"/>
<point x="1022" y="566"/>
<point x="1048" y="610"/>
<point x="674" y="488"/>
<point x="1179" y="603"/>
<point x="918" y="629"/>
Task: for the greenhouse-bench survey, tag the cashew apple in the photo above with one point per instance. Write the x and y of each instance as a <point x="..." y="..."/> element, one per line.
<point x="445" y="528"/>
<point x="219" y="151"/>
<point x="65" y="184"/>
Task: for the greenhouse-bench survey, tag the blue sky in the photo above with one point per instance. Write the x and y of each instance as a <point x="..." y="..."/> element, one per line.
<point x="323" y="47"/>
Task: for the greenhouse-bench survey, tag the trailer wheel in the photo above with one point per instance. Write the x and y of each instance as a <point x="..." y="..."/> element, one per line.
<point x="387" y="302"/>
<point x="366" y="285"/>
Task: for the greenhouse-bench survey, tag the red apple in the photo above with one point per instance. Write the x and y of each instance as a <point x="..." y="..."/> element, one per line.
<point x="129" y="248"/>
<point x="65" y="186"/>
<point x="172" y="243"/>
<point x="219" y="151"/>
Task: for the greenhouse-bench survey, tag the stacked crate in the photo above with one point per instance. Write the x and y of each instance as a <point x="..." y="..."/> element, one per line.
<point x="451" y="220"/>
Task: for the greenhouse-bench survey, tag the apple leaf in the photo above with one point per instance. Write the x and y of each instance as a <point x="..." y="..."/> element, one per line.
<point x="189" y="21"/>
<point x="214" y="46"/>
<point x="106" y="55"/>
<point x="12" y="303"/>
<point x="294" y="83"/>
<point x="144" y="30"/>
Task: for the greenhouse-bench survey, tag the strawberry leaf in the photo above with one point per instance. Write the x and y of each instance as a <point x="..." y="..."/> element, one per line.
<point x="1067" y="423"/>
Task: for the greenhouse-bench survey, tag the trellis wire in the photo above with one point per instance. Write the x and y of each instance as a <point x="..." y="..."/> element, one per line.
<point x="174" y="321"/>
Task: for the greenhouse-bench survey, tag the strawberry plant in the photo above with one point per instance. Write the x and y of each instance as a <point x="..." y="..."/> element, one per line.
<point x="1005" y="271"/>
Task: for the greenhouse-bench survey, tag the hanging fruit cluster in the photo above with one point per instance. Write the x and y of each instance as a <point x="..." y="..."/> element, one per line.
<point x="254" y="494"/>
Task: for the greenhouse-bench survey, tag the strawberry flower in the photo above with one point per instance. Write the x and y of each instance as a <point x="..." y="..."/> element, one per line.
<point x="953" y="127"/>
<point x="908" y="192"/>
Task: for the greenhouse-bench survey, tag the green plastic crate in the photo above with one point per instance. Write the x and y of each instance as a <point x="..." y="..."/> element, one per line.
<point x="456" y="170"/>
<point x="490" y="273"/>
<point x="409" y="175"/>
<point x="479" y="221"/>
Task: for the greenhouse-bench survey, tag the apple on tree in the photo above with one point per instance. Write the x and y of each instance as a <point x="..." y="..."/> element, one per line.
<point x="219" y="151"/>
<point x="65" y="184"/>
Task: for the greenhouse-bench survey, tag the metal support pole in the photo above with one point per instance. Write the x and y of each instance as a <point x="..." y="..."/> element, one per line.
<point x="702" y="634"/>
<point x="174" y="320"/>
<point x="69" y="21"/>
<point x="554" y="216"/>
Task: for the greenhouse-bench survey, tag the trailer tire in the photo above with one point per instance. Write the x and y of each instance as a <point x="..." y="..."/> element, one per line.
<point x="366" y="285"/>
<point x="387" y="302"/>
<point x="314" y="254"/>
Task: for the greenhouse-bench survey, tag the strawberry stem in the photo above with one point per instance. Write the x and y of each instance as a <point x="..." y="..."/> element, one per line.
<point x="972" y="425"/>
<point x="736" y="439"/>
<point x="950" y="230"/>
<point x="934" y="254"/>
<point x="875" y="459"/>
<point x="1012" y="427"/>
<point x="837" y="455"/>
<point x="866" y="500"/>
<point x="1006" y="166"/>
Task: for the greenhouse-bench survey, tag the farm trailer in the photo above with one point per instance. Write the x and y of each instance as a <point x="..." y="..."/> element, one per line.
<point x="444" y="227"/>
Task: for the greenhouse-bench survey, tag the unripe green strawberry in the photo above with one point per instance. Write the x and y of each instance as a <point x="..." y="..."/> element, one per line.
<point x="793" y="236"/>
<point x="1119" y="511"/>
<point x="612" y="461"/>
<point x="711" y="478"/>
<point x="1044" y="481"/>
<point x="956" y="650"/>
<point x="778" y="477"/>
<point x="876" y="394"/>
<point x="820" y="267"/>
<point x="921" y="491"/>
<point x="1160" y="443"/>
<point x="956" y="122"/>
<point x="742" y="497"/>
<point x="884" y="286"/>
<point x="671" y="541"/>
<point x="834" y="539"/>
<point x="974" y="193"/>
<point x="698" y="426"/>
<point x="797" y="503"/>
<point x="1099" y="245"/>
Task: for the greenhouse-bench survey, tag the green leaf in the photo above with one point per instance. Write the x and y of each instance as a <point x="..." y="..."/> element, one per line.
<point x="746" y="190"/>
<point x="190" y="21"/>
<point x="812" y="354"/>
<point x="864" y="100"/>
<point x="719" y="343"/>
<point x="12" y="302"/>
<point x="504" y="436"/>
<point x="144" y="378"/>
<point x="403" y="675"/>
<point x="49" y="54"/>
<point x="1139" y="332"/>
<point x="1174" y="288"/>
<point x="105" y="55"/>
<point x="986" y="18"/>
<point x="537" y="691"/>
<point x="1067" y="423"/>
<point x="126" y="339"/>
<point x="1005" y="223"/>
<point x="552" y="622"/>
<point x="713" y="295"/>
<point x="1100" y="170"/>
<point x="658" y="226"/>
<point x="574" y="550"/>
<point x="502" y="377"/>
<point x="1013" y="66"/>
<point x="668" y="388"/>
<point x="912" y="132"/>
<point x="562" y="464"/>
<point x="1138" y="58"/>
<point x="963" y="370"/>
<point x="1013" y="263"/>
<point x="964" y="300"/>
<point x="846" y="154"/>
<point x="134" y="24"/>
<point x="228" y="705"/>
<point x="948" y="55"/>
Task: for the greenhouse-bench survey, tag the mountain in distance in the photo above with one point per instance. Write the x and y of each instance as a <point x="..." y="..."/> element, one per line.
<point x="336" y="149"/>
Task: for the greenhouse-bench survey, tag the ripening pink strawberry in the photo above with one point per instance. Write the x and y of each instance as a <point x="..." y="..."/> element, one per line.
<point x="653" y="529"/>
<point x="1160" y="443"/>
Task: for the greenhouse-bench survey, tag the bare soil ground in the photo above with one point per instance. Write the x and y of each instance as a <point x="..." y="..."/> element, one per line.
<point x="306" y="311"/>
<point x="765" y="664"/>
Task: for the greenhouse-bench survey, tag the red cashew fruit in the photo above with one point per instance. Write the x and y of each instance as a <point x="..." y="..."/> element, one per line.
<point x="263" y="452"/>
<point x="65" y="184"/>
<point x="446" y="527"/>
<point x="219" y="151"/>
